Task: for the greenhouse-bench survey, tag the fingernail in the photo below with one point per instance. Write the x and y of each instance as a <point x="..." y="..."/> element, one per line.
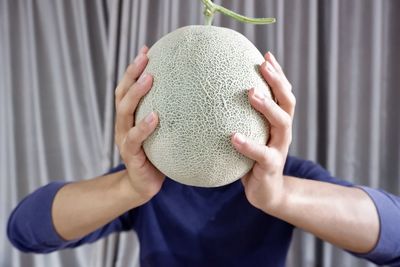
<point x="250" y="91"/>
<point x="271" y="55"/>
<point x="239" y="138"/>
<point x="143" y="49"/>
<point x="269" y="67"/>
<point x="142" y="78"/>
<point x="258" y="94"/>
<point x="149" y="118"/>
<point x="138" y="59"/>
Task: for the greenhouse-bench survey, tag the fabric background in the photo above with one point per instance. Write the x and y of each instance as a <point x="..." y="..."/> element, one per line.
<point x="60" y="62"/>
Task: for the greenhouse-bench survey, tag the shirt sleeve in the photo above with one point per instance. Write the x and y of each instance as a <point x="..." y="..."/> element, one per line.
<point x="387" y="249"/>
<point x="30" y="226"/>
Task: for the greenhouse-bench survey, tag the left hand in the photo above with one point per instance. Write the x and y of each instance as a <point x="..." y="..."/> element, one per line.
<point x="264" y="183"/>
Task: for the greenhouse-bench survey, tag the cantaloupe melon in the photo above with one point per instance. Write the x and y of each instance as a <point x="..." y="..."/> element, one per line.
<point x="201" y="76"/>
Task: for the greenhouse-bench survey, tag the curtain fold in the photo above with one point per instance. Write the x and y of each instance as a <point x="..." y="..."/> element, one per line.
<point x="61" y="60"/>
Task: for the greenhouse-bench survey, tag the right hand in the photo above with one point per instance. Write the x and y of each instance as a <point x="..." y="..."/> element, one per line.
<point x="145" y="179"/>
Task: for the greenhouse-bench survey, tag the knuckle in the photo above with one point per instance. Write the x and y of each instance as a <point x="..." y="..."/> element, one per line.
<point x="283" y="83"/>
<point x="274" y="107"/>
<point x="144" y="129"/>
<point x="132" y="136"/>
<point x="276" y="158"/>
<point x="279" y="83"/>
<point x="292" y="100"/>
<point x="138" y="90"/>
<point x="247" y="147"/>
<point x="143" y="126"/>
<point x="144" y="86"/>
<point x="130" y="70"/>
<point x="289" y="86"/>
<point x="138" y="87"/>
<point x="265" y="156"/>
<point x="289" y="137"/>
<point x="286" y="121"/>
<point x="275" y="164"/>
<point x="122" y="109"/>
<point x="118" y="93"/>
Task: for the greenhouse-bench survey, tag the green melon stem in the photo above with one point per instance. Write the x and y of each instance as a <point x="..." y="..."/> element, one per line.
<point x="210" y="8"/>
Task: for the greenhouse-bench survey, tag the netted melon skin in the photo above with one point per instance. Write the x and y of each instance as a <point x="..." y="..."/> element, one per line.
<point x="201" y="76"/>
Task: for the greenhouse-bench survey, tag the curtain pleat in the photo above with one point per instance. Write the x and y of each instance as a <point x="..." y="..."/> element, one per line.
<point x="8" y="187"/>
<point x="61" y="60"/>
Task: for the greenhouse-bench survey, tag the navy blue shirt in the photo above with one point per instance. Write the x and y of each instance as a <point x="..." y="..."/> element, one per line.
<point x="191" y="226"/>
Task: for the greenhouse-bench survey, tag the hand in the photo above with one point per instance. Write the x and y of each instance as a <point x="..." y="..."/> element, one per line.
<point x="144" y="178"/>
<point x="264" y="183"/>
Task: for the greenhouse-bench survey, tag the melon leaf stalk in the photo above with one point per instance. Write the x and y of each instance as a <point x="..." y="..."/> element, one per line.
<point x="210" y="8"/>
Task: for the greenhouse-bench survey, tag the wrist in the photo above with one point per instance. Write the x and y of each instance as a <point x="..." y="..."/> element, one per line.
<point x="278" y="201"/>
<point x="127" y="192"/>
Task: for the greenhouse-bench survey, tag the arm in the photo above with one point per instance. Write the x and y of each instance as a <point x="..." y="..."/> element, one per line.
<point x="343" y="216"/>
<point x="332" y="209"/>
<point x="31" y="228"/>
<point x="386" y="250"/>
<point x="72" y="212"/>
<point x="82" y="207"/>
<point x="361" y="220"/>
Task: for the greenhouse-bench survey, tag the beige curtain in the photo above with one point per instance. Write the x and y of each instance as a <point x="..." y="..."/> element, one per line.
<point x="60" y="61"/>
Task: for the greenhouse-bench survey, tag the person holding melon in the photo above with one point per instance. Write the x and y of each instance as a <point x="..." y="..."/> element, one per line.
<point x="246" y="223"/>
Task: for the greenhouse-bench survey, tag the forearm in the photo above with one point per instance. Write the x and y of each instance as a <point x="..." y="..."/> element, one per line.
<point x="343" y="216"/>
<point x="82" y="207"/>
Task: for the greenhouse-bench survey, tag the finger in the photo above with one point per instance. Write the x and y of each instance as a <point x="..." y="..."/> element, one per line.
<point x="131" y="74"/>
<point x="251" y="149"/>
<point x="128" y="105"/>
<point x="280" y="87"/>
<point x="144" y="49"/>
<point x="271" y="58"/>
<point x="139" y="133"/>
<point x="280" y="121"/>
